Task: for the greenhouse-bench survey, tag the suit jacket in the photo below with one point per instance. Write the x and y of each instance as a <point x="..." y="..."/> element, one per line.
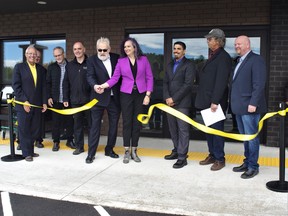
<point x="213" y="81"/>
<point x="24" y="87"/>
<point x="178" y="85"/>
<point x="97" y="74"/>
<point x="248" y="85"/>
<point x="144" y="77"/>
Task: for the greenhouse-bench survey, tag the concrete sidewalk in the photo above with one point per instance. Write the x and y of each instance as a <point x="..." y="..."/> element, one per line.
<point x="152" y="185"/>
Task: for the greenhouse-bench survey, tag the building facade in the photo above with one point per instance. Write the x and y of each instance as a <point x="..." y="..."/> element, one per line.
<point x="235" y="17"/>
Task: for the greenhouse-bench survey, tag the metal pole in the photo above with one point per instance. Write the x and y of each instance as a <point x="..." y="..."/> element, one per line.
<point x="12" y="157"/>
<point x="281" y="185"/>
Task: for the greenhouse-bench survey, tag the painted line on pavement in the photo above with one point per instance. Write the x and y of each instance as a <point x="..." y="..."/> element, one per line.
<point x="101" y="211"/>
<point x="6" y="205"/>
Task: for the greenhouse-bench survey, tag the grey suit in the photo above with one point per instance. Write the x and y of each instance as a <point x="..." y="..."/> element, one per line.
<point x="178" y="86"/>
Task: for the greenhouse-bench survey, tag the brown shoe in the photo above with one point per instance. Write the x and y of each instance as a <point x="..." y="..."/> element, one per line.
<point x="217" y="165"/>
<point x="208" y="160"/>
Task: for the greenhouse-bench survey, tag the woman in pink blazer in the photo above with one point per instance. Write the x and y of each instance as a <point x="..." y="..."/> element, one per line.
<point x="134" y="72"/>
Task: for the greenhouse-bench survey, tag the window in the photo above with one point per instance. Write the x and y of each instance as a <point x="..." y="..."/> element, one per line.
<point x="158" y="46"/>
<point x="14" y="52"/>
<point x="153" y="47"/>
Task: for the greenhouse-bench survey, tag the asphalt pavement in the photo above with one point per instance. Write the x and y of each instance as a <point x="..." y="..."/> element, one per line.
<point x="152" y="185"/>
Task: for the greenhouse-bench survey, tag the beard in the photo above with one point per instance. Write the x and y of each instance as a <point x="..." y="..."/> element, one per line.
<point x="103" y="57"/>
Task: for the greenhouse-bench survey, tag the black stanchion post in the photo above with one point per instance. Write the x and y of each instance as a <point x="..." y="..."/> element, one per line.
<point x="12" y="157"/>
<point x="281" y="185"/>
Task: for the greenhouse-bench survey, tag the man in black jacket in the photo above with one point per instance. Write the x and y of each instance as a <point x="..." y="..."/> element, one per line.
<point x="76" y="91"/>
<point x="100" y="69"/>
<point x="55" y="77"/>
<point x="213" y="91"/>
<point x="177" y="93"/>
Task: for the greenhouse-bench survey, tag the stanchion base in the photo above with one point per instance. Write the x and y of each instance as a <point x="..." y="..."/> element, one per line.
<point x="277" y="186"/>
<point x="11" y="158"/>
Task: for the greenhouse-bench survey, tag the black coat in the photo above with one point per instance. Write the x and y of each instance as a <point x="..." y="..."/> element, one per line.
<point x="76" y="89"/>
<point x="178" y="85"/>
<point x="24" y="87"/>
<point x="97" y="75"/>
<point x="213" y="81"/>
<point x="53" y="81"/>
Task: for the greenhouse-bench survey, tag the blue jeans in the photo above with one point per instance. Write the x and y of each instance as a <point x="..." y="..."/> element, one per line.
<point x="216" y="143"/>
<point x="248" y="124"/>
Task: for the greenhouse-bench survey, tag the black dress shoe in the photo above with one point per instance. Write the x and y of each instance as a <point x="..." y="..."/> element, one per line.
<point x="241" y="168"/>
<point x="55" y="146"/>
<point x="111" y="154"/>
<point x="180" y="164"/>
<point x="29" y="158"/>
<point x="78" y="151"/>
<point x="172" y="156"/>
<point x="71" y="144"/>
<point x="250" y="173"/>
<point x="35" y="155"/>
<point x="89" y="159"/>
<point x="39" y="144"/>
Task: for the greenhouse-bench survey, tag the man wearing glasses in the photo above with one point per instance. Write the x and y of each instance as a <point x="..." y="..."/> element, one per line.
<point x="55" y="77"/>
<point x="100" y="68"/>
<point x="29" y="87"/>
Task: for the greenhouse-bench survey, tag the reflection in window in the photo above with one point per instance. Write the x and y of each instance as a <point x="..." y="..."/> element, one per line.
<point x="14" y="52"/>
<point x="46" y="48"/>
<point x="153" y="47"/>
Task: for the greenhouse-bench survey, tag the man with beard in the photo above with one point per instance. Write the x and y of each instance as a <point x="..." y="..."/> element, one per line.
<point x="100" y="69"/>
<point x="177" y="92"/>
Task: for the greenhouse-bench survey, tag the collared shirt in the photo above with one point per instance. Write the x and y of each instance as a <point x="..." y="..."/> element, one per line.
<point x="62" y="66"/>
<point x="240" y="60"/>
<point x="108" y="66"/>
<point x="33" y="71"/>
<point x="212" y="53"/>
<point x="176" y="63"/>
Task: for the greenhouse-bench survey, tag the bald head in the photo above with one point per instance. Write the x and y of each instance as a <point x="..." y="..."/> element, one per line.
<point x="242" y="45"/>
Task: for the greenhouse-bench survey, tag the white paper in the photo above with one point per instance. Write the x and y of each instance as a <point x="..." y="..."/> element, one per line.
<point x="210" y="117"/>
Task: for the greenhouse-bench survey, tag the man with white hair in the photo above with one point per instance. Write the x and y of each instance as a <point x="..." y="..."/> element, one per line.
<point x="100" y="68"/>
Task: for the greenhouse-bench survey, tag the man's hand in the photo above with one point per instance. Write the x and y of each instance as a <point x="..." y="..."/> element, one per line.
<point x="170" y="102"/>
<point x="27" y="106"/>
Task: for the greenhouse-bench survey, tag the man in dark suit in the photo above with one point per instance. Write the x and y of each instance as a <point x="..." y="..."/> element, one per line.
<point x="100" y="68"/>
<point x="29" y="87"/>
<point x="248" y="101"/>
<point x="213" y="91"/>
<point x="177" y="93"/>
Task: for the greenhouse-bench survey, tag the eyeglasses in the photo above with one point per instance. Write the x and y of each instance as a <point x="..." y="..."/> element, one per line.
<point x="102" y="50"/>
<point x="31" y="54"/>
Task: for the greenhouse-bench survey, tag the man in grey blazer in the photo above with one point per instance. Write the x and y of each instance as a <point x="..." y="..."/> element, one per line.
<point x="248" y="101"/>
<point x="177" y="93"/>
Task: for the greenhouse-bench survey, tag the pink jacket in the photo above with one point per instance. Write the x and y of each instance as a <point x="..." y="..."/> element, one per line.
<point x="144" y="78"/>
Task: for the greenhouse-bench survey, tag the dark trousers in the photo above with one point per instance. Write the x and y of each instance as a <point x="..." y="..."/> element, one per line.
<point x="132" y="106"/>
<point x="113" y="112"/>
<point x="28" y="129"/>
<point x="216" y="143"/>
<point x="179" y="131"/>
<point x="61" y="122"/>
<point x="80" y="120"/>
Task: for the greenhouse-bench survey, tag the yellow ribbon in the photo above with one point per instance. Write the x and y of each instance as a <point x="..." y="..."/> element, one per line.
<point x="144" y="118"/>
<point x="69" y="111"/>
